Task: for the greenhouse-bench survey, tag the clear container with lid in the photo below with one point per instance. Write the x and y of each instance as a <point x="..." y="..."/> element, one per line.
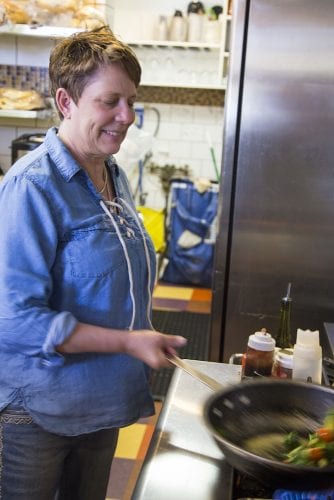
<point x="260" y="355"/>
<point x="307" y="357"/>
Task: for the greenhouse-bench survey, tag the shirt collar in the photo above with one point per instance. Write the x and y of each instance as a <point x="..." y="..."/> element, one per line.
<point x="63" y="159"/>
<point x="61" y="156"/>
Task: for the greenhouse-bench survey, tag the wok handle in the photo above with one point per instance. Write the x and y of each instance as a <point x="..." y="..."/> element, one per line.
<point x="197" y="374"/>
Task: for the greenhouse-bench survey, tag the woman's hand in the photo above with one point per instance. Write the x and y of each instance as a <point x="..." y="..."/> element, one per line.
<point x="147" y="345"/>
<point x="153" y="347"/>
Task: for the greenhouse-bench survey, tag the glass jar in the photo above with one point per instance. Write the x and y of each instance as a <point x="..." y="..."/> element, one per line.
<point x="260" y="355"/>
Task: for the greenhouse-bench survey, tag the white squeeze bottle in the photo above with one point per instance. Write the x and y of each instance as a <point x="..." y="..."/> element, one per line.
<point x="307" y="356"/>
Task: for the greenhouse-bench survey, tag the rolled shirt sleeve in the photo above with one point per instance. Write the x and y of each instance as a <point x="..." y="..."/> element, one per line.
<point x="28" y="246"/>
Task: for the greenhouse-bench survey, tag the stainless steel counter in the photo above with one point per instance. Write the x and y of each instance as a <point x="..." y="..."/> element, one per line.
<point x="183" y="461"/>
<point x="329" y="331"/>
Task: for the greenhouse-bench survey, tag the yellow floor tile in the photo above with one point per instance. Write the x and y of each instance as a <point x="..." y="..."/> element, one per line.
<point x="172" y="292"/>
<point x="129" y="441"/>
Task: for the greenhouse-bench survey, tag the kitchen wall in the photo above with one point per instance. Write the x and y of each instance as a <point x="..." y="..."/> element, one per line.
<point x="182" y="138"/>
<point x="177" y="134"/>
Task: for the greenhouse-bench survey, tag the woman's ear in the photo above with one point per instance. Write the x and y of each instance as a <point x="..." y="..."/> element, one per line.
<point x="63" y="101"/>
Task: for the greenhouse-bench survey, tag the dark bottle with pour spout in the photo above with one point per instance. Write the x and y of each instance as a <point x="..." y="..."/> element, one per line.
<point x="283" y="336"/>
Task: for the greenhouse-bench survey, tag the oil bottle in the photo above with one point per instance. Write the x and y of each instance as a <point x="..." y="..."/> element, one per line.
<point x="283" y="335"/>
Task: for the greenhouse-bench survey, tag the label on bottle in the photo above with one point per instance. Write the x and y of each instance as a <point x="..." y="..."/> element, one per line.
<point x="307" y="363"/>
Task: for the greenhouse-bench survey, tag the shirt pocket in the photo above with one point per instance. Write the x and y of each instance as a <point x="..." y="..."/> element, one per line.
<point x="91" y="253"/>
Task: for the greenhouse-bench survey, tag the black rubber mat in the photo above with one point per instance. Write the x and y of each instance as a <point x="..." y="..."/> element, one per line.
<point x="195" y="328"/>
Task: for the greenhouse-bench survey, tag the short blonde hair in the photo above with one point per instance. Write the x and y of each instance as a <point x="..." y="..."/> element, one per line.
<point x="76" y="58"/>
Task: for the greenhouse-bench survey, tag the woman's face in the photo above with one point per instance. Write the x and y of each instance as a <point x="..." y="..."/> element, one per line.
<point x="96" y="126"/>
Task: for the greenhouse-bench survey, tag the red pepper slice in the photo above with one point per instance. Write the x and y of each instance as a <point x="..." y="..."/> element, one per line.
<point x="325" y="434"/>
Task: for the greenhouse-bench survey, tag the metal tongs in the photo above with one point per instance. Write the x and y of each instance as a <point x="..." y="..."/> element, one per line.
<point x="197" y="374"/>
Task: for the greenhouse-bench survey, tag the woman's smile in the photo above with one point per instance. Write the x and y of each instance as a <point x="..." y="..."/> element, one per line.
<point x="107" y="99"/>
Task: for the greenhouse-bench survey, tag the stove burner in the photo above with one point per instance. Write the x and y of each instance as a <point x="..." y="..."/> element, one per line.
<point x="248" y="487"/>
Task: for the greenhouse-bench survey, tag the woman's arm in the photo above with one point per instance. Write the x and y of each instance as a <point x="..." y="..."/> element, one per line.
<point x="149" y="346"/>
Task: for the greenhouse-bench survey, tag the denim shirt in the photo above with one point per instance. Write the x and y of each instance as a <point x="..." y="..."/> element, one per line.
<point x="63" y="260"/>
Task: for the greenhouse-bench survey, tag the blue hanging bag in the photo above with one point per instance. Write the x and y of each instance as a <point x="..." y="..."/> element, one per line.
<point x="191" y="236"/>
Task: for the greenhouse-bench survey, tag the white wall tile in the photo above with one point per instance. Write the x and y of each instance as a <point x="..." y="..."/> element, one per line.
<point x="5" y="162"/>
<point x="214" y="131"/>
<point x="191" y="132"/>
<point x="170" y="130"/>
<point x="8" y="49"/>
<point x="26" y="130"/>
<point x="32" y="54"/>
<point x="8" y="134"/>
<point x="206" y="114"/>
<point x="185" y="135"/>
<point x="182" y="114"/>
<point x="180" y="150"/>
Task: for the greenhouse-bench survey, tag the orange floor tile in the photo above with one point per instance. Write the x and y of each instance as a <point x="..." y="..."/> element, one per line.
<point x="201" y="295"/>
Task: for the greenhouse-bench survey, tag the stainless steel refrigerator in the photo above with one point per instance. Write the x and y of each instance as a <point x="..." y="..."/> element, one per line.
<point x="276" y="208"/>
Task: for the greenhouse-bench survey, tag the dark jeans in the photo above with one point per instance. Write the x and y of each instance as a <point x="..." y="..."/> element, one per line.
<point x="39" y="465"/>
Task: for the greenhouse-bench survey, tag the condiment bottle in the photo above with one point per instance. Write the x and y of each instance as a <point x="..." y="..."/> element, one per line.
<point x="283" y="363"/>
<point x="283" y="336"/>
<point x="307" y="357"/>
<point x="259" y="358"/>
<point x="195" y="21"/>
<point x="162" y="29"/>
<point x="178" y="27"/>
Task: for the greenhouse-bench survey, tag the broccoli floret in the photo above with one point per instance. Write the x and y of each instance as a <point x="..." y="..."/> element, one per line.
<point x="292" y="440"/>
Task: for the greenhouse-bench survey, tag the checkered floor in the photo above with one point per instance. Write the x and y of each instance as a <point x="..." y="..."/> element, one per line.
<point x="180" y="298"/>
<point x="130" y="453"/>
<point x="135" y="439"/>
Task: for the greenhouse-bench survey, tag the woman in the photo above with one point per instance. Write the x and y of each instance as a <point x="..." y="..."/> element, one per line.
<point x="76" y="278"/>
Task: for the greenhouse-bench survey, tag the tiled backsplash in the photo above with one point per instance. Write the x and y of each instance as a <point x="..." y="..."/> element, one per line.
<point x="25" y="78"/>
<point x="36" y="77"/>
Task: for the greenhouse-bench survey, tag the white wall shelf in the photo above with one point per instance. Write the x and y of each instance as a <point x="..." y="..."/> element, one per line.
<point x="41" y="114"/>
<point x="37" y="31"/>
<point x="170" y="44"/>
<point x="204" y="86"/>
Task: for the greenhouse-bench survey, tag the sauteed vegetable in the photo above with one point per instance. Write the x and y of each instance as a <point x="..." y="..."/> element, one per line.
<point x="317" y="450"/>
<point x="293" y="448"/>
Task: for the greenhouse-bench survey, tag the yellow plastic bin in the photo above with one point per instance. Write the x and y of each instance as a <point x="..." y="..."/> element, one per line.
<point x="154" y="222"/>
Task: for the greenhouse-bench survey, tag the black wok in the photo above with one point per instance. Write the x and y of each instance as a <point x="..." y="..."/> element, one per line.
<point x="265" y="406"/>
